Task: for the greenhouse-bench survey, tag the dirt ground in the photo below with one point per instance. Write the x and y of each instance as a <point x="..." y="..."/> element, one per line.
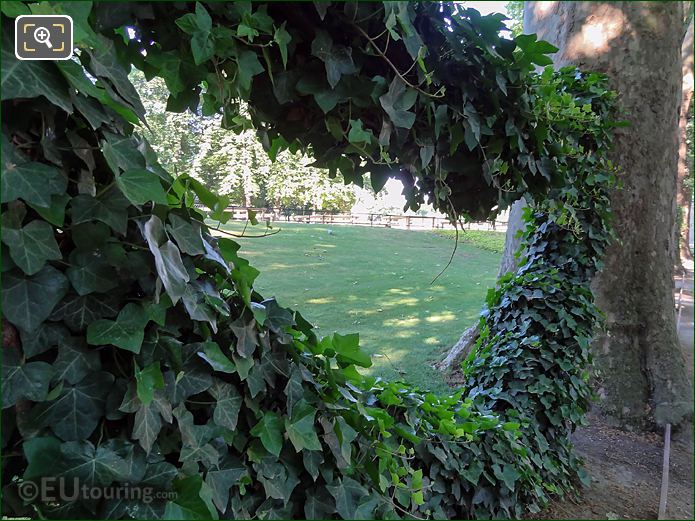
<point x="625" y="471"/>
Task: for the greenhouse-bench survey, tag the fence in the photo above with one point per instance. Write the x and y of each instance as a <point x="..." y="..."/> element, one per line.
<point x="405" y="222"/>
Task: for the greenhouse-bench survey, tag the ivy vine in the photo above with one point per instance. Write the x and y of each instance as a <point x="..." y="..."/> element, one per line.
<point x="135" y="349"/>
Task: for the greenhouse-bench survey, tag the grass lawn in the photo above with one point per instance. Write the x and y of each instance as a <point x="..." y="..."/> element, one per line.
<point x="376" y="281"/>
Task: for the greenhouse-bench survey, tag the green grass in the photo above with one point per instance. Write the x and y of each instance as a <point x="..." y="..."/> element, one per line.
<point x="485" y="240"/>
<point x="376" y="282"/>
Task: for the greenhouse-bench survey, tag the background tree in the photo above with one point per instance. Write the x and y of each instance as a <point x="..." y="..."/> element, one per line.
<point x="685" y="183"/>
<point x="235" y="164"/>
<point x="641" y="368"/>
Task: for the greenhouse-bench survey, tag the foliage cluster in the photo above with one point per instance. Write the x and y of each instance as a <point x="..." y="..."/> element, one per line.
<point x="234" y="164"/>
<point x="136" y="350"/>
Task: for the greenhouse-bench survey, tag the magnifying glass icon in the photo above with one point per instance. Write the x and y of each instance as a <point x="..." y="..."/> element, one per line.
<point x="43" y="35"/>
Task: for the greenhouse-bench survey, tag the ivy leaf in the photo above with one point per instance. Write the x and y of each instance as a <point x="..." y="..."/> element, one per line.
<point x="214" y="356"/>
<point x="186" y="234"/>
<point x="90" y="272"/>
<point x="357" y="134"/>
<point x="347" y="348"/>
<point x="221" y="482"/>
<point x="14" y="9"/>
<point x="31" y="79"/>
<point x="43" y="338"/>
<point x="282" y="38"/>
<point x="147" y="381"/>
<point x="35" y="183"/>
<point x="190" y="381"/>
<point x="42" y="455"/>
<point x="75" y="361"/>
<point x="110" y="208"/>
<point x="126" y="332"/>
<point x="32" y="245"/>
<point x="228" y="404"/>
<point x="121" y="153"/>
<point x="77" y="312"/>
<point x="193" y="500"/>
<point x="270" y="429"/>
<point x="167" y="259"/>
<point x="141" y="186"/>
<point x="249" y="66"/>
<point x="55" y="213"/>
<point x="318" y="504"/>
<point x="336" y="58"/>
<point x="28" y="301"/>
<point x="105" y="65"/>
<point x="146" y="425"/>
<point x="507" y="474"/>
<point x="301" y="429"/>
<point x="347" y="493"/>
<point x="77" y="410"/>
<point x="246" y="336"/>
<point x="19" y="380"/>
<point x="92" y="466"/>
<point x="396" y="103"/>
<point x="277" y="318"/>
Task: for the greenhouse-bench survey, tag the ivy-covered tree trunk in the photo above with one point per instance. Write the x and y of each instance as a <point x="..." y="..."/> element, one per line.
<point x="640" y="366"/>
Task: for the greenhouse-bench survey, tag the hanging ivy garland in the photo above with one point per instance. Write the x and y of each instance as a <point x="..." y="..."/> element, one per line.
<point x="135" y="349"/>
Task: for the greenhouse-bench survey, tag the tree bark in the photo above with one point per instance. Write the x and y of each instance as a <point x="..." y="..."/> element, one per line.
<point x="641" y="370"/>
<point x="684" y="195"/>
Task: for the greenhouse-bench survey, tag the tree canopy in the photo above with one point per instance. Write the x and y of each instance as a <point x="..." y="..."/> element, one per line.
<point x="144" y="356"/>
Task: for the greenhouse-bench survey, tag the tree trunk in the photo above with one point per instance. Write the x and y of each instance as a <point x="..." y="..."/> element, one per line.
<point x="509" y="262"/>
<point x="684" y="190"/>
<point x="641" y="370"/>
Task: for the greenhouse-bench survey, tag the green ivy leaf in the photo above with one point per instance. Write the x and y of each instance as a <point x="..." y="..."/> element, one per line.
<point x="23" y="380"/>
<point x="31" y="79"/>
<point x="79" y="311"/>
<point x="336" y="58"/>
<point x="75" y="361"/>
<point x="35" y="183"/>
<point x="110" y="208"/>
<point x="357" y="134"/>
<point x="147" y="381"/>
<point x="249" y="66"/>
<point x="347" y="493"/>
<point x="270" y="429"/>
<point x="396" y="103"/>
<point x="28" y="301"/>
<point x="347" y="349"/>
<point x="193" y="500"/>
<point x="147" y="424"/>
<point x="42" y="455"/>
<point x="31" y="245"/>
<point x="76" y="412"/>
<point x="90" y="272"/>
<point x="186" y="234"/>
<point x="92" y="466"/>
<point x="141" y="186"/>
<point x="282" y="38"/>
<point x="126" y="332"/>
<point x="246" y="336"/>
<point x="167" y="259"/>
<point x="228" y="404"/>
<point x="214" y="356"/>
<point x="301" y="429"/>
